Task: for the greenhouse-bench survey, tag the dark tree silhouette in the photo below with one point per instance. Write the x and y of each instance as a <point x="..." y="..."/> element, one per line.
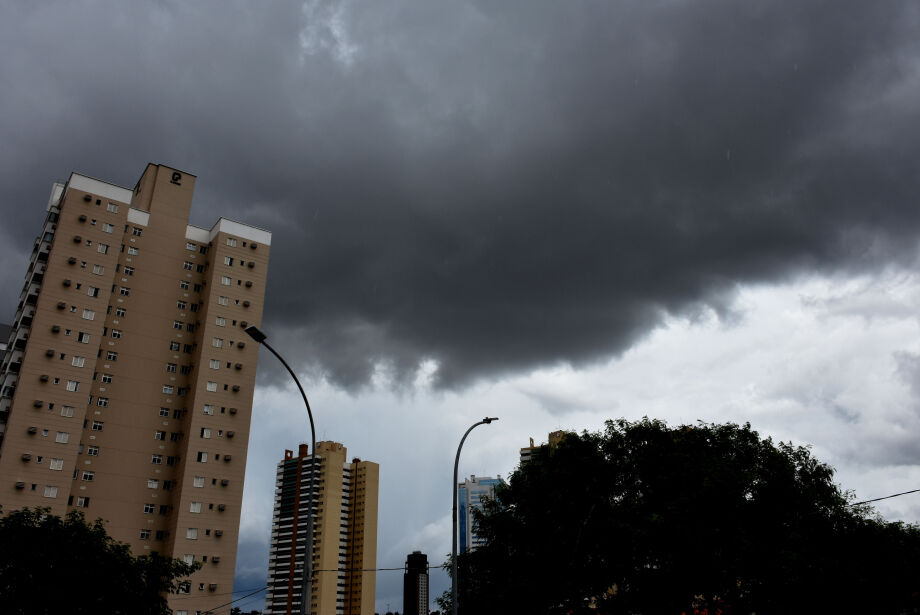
<point x="52" y="565"/>
<point x="647" y="519"/>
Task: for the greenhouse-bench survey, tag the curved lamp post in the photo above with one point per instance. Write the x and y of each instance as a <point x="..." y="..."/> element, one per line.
<point x="306" y="592"/>
<point x="455" y="597"/>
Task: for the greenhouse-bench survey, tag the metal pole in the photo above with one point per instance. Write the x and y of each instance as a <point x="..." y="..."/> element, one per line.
<point x="306" y="590"/>
<point x="454" y="580"/>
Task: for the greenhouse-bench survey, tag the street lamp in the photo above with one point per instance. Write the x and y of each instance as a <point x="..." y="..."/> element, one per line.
<point x="306" y="590"/>
<point x="455" y="597"/>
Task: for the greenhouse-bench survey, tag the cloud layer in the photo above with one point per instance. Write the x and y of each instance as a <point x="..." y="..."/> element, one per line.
<point x="491" y="187"/>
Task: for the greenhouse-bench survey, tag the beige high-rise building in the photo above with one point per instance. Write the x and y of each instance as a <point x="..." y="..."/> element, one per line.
<point x="344" y="536"/>
<point x="126" y="390"/>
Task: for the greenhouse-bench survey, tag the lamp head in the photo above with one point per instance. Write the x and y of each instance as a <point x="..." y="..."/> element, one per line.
<point x="489" y="419"/>
<point x="253" y="332"/>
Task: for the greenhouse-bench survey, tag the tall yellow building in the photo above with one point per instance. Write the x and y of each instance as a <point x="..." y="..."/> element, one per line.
<point x="344" y="535"/>
<point x="126" y="388"/>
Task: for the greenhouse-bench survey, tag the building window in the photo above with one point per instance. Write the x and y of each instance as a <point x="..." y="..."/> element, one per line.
<point x="73" y="385"/>
<point x="189" y="559"/>
<point x="156" y="459"/>
<point x="132" y="250"/>
<point x="124" y="291"/>
<point x="194" y="507"/>
<point x="153" y="483"/>
<point x="177" y="324"/>
<point x="217" y="342"/>
<point x="83" y="338"/>
<point x="107" y="228"/>
<point x="83" y="501"/>
<point x="112" y="207"/>
<point x="57" y="464"/>
<point x="111" y="355"/>
<point x="106" y="378"/>
<point x="171" y="368"/>
<point x="145" y="534"/>
<point x="92" y="451"/>
<point x="175" y="436"/>
<point x="129" y="270"/>
<point x="78" y="361"/>
<point x="202" y="457"/>
<point x="221" y="321"/>
<point x="67" y="411"/>
<point x="228" y="260"/>
<point x="192" y="533"/>
<point x="62" y="437"/>
<point x="97" y="425"/>
<point x="159" y="435"/>
<point x="88" y="314"/>
<point x="209" y="409"/>
<point x="136" y="231"/>
<point x="181" y="304"/>
<point x="102" y="401"/>
<point x="116" y="333"/>
<point x="168" y="389"/>
<point x="149" y="508"/>
<point x="88" y="476"/>
<point x="231" y="242"/>
<point x="187" y="266"/>
<point x="183" y="285"/>
<point x="51" y="491"/>
<point x="190" y="246"/>
<point x="212" y="387"/>
<point x="102" y="248"/>
<point x="198" y="481"/>
<point x="225" y="280"/>
<point x="215" y="364"/>
<point x="98" y="269"/>
<point x="174" y="346"/>
<point x="205" y="432"/>
<point x="92" y="291"/>
<point x="190" y="326"/>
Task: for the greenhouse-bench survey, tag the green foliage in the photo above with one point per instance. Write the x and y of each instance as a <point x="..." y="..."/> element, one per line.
<point x="644" y="518"/>
<point x="51" y="565"/>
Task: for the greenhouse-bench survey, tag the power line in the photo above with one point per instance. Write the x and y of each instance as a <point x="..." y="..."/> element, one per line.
<point x="887" y="497"/>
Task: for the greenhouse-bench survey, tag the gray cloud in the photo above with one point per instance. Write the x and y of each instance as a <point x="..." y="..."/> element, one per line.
<point x="492" y="186"/>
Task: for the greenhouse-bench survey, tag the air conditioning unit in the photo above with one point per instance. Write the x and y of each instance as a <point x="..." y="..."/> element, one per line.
<point x="66" y="282"/>
<point x="56" y="329"/>
<point x="49" y="352"/>
<point x="215" y="559"/>
<point x="222" y="507"/>
<point x="33" y="429"/>
<point x="61" y="305"/>
<point x="251" y="264"/>
<point x="218" y="532"/>
<point x="82" y="217"/>
<point x="27" y="457"/>
<point x="44" y="378"/>
<point x="252" y="245"/>
<point x="77" y="239"/>
<point x="230" y="434"/>
<point x="236" y="388"/>
<point x="232" y="410"/>
<point x="246" y="303"/>
<point x="20" y="485"/>
<point x="38" y="403"/>
<point x="238" y="366"/>
<point x="248" y="284"/>
<point x="227" y="458"/>
<point x="224" y="482"/>
<point x="243" y="324"/>
<point x="72" y="260"/>
<point x="212" y="586"/>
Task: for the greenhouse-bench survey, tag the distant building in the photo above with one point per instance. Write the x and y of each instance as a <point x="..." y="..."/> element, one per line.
<point x="126" y="387"/>
<point x="344" y="533"/>
<point x="415" y="584"/>
<point x="470" y="494"/>
<point x="529" y="452"/>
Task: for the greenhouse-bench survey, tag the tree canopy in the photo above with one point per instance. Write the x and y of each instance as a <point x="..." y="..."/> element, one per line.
<point x="51" y="565"/>
<point x="647" y="519"/>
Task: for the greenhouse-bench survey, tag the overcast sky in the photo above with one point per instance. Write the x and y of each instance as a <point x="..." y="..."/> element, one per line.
<point x="552" y="212"/>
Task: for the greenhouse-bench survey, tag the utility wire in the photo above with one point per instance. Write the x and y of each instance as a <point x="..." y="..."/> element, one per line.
<point x="887" y="497"/>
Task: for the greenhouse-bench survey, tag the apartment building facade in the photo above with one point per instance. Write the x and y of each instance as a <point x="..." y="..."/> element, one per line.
<point x="126" y="388"/>
<point x="344" y="546"/>
<point x="415" y="584"/>
<point x="470" y="495"/>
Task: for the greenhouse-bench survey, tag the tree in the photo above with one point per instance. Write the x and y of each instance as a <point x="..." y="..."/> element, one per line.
<point x="644" y="518"/>
<point x="50" y="564"/>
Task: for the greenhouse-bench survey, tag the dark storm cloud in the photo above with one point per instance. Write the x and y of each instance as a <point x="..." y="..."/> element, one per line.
<point x="492" y="186"/>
